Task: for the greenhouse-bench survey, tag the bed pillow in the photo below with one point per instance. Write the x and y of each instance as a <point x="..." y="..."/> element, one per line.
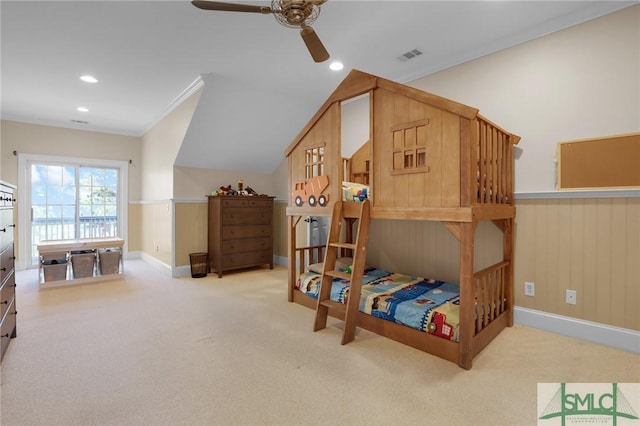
<point x="341" y="264"/>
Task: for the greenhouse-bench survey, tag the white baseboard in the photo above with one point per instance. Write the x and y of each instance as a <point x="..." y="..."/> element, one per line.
<point x="281" y="260"/>
<point x="157" y="264"/>
<point x="181" y="271"/>
<point x="132" y="255"/>
<point x="616" y="337"/>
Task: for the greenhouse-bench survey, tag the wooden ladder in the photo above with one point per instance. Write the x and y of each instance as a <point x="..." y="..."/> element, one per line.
<point x="342" y="211"/>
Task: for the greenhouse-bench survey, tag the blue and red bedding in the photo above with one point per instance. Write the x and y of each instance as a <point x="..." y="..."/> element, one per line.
<point x="423" y="304"/>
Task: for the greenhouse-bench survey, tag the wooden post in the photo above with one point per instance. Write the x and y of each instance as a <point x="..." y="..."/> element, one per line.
<point x="467" y="303"/>
<point x="292" y="256"/>
<point x="508" y="242"/>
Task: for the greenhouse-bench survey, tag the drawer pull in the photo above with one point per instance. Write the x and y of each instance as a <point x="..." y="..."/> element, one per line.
<point x="6" y="302"/>
<point x="5" y="335"/>
<point x="3" y="229"/>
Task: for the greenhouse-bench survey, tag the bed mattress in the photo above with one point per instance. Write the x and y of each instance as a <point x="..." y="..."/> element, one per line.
<point x="424" y="304"/>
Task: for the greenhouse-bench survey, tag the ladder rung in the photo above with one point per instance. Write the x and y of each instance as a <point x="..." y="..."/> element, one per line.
<point x="339" y="308"/>
<point x="343" y="245"/>
<point x="338" y="274"/>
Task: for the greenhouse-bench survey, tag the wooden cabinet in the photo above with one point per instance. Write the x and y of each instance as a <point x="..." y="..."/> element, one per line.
<point x="7" y="271"/>
<point x="240" y="232"/>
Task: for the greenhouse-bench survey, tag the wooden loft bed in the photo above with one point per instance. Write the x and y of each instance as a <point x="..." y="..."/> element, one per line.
<point x="430" y="159"/>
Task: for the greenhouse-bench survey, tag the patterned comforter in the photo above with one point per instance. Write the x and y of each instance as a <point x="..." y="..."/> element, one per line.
<point x="424" y="304"/>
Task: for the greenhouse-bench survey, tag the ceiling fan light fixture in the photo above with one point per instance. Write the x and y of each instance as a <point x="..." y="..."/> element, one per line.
<point x="336" y="66"/>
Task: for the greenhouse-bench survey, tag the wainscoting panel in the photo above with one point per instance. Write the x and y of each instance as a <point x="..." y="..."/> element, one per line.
<point x="280" y="239"/>
<point x="155" y="230"/>
<point x="191" y="230"/>
<point x="591" y="246"/>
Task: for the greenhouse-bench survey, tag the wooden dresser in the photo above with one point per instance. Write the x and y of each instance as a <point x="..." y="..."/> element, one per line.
<point x="240" y="232"/>
<point x="7" y="271"/>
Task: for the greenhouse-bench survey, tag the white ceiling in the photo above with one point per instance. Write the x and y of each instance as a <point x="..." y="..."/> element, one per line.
<point x="262" y="84"/>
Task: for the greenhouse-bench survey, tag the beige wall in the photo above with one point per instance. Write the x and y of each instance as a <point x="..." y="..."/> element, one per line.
<point x="160" y="146"/>
<point x="194" y="182"/>
<point x="581" y="82"/>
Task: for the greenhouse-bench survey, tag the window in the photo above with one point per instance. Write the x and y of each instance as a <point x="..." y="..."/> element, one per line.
<point x="68" y="198"/>
<point x="314" y="162"/>
<point x="409" y="148"/>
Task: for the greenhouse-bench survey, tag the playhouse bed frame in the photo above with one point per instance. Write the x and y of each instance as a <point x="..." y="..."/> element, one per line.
<point x="428" y="158"/>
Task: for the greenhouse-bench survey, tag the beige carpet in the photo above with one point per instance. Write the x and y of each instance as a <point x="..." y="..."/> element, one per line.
<point x="151" y="350"/>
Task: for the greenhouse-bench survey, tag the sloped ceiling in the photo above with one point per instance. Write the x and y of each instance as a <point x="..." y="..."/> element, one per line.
<point x="261" y="86"/>
<point x="240" y="126"/>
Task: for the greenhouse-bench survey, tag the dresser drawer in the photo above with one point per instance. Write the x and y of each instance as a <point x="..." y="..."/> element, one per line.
<point x="7" y="292"/>
<point x="6" y="262"/>
<point x="6" y="198"/>
<point x="7" y="328"/>
<point x="261" y="203"/>
<point x="234" y="202"/>
<point x="247" y="202"/>
<point x="247" y="216"/>
<point x="6" y="227"/>
<point x="250" y="231"/>
<point x="246" y="244"/>
<point x="241" y="260"/>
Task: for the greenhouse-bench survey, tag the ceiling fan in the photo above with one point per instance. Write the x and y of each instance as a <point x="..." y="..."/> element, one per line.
<point x="290" y="13"/>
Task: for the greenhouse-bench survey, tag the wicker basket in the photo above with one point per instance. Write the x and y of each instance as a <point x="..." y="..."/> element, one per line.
<point x="109" y="261"/>
<point x="83" y="264"/>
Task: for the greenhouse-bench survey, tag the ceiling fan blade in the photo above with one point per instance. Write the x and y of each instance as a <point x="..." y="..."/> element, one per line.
<point x="315" y="46"/>
<point x="230" y="7"/>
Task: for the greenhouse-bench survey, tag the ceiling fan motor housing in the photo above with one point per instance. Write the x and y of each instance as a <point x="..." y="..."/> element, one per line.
<point x="295" y="13"/>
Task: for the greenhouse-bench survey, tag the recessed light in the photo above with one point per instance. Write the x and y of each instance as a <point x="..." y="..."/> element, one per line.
<point x="82" y="109"/>
<point x="336" y="66"/>
<point x="89" y="79"/>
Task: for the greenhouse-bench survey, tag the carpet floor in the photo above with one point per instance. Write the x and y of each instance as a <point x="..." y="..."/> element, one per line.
<point x="154" y="350"/>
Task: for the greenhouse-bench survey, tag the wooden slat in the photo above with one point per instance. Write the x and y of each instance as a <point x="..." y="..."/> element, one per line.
<point x="338" y="274"/>
<point x="468" y="162"/>
<point x="293" y="274"/>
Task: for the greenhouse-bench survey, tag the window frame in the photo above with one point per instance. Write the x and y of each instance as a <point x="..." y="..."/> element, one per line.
<point x="24" y="197"/>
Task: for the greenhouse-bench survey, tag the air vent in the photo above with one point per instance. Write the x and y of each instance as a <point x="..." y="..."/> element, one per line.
<point x="409" y="55"/>
<point x="79" y="122"/>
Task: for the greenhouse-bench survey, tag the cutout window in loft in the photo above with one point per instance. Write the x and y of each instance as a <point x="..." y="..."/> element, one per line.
<point x="409" y="148"/>
<point x="314" y="162"/>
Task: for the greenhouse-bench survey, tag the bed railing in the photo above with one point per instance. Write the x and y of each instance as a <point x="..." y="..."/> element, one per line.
<point x="306" y="256"/>
<point x="490" y="295"/>
<point x="494" y="164"/>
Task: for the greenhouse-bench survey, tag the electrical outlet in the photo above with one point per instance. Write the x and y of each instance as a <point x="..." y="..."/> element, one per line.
<point x="571" y="297"/>
<point x="529" y="289"/>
